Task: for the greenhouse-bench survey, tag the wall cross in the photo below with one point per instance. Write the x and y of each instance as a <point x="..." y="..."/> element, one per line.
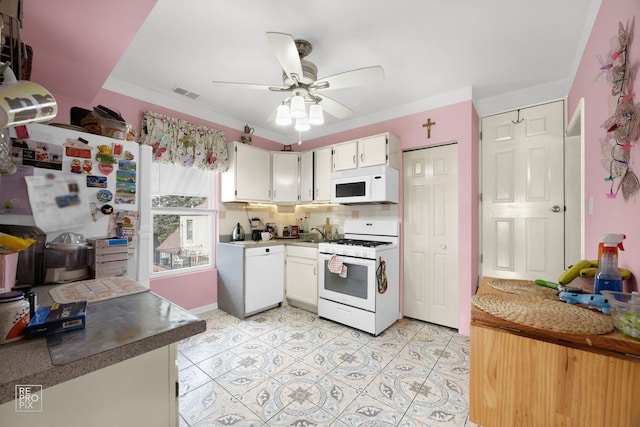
<point x="428" y="126"/>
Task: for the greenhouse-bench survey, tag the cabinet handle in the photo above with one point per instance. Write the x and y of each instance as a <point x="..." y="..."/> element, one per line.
<point x="362" y="157"/>
<point x="354" y="159"/>
<point x="315" y="271"/>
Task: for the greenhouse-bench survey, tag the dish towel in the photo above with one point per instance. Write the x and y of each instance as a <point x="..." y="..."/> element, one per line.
<point x="336" y="266"/>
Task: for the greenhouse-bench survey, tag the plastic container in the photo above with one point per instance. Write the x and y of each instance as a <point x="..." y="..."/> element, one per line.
<point x="625" y="312"/>
<point x="608" y="277"/>
<point x="8" y="269"/>
<point x="14" y="316"/>
<point x="113" y="128"/>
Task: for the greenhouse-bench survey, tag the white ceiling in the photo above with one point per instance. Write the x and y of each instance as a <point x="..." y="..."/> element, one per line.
<point x="433" y="53"/>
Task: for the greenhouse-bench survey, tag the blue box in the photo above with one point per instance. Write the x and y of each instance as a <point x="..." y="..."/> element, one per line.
<point x="56" y="318"/>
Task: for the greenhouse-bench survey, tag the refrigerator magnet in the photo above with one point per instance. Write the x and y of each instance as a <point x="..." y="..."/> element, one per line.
<point x="104" y="196"/>
<point x="106" y="209"/>
<point x="105" y="168"/>
<point x="96" y="181"/>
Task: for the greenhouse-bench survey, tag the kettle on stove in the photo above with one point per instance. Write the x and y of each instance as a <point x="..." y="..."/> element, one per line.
<point x="238" y="233"/>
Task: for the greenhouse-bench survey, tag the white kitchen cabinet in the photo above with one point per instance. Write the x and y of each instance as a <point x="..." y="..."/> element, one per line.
<point x="140" y="391"/>
<point x="285" y="175"/>
<point x="345" y="155"/>
<point x="248" y="176"/>
<point x="322" y="174"/>
<point x="306" y="176"/>
<point x="301" y="277"/>
<point x="372" y="150"/>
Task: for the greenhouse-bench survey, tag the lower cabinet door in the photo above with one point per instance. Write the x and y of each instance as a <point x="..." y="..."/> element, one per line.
<point x="302" y="280"/>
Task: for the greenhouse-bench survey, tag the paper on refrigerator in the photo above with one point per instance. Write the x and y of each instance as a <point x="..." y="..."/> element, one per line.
<point x="58" y="202"/>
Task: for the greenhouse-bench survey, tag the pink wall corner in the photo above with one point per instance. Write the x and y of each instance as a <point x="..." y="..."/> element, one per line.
<point x="609" y="215"/>
<point x="190" y="290"/>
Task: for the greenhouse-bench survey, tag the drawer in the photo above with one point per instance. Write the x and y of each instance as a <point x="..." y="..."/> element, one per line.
<point x="302" y="251"/>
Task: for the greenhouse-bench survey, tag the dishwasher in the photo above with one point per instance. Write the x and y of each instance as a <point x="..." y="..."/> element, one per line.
<point x="264" y="278"/>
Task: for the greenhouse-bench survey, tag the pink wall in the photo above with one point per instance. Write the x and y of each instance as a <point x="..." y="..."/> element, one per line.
<point x="454" y="123"/>
<point x="609" y="215"/>
<point x="189" y="290"/>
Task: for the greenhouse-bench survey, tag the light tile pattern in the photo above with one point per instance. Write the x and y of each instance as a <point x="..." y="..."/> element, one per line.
<point x="288" y="367"/>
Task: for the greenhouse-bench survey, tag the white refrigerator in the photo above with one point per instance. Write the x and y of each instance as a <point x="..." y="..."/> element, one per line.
<point x="73" y="181"/>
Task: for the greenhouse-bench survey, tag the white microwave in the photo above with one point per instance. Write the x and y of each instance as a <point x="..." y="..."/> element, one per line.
<point x="373" y="184"/>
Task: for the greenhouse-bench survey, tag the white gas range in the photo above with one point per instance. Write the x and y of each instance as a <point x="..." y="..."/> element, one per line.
<point x="359" y="276"/>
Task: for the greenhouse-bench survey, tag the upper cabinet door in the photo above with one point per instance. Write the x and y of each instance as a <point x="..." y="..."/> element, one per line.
<point x="248" y="177"/>
<point x="345" y="156"/>
<point x="322" y="174"/>
<point x="373" y="151"/>
<point x="285" y="177"/>
<point x="306" y="176"/>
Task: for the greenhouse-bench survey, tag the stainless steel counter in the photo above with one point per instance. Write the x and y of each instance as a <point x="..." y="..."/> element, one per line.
<point x="116" y="330"/>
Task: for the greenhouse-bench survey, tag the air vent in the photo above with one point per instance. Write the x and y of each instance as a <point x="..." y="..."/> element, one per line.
<point x="182" y="91"/>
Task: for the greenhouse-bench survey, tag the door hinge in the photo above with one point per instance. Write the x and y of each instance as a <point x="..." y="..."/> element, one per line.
<point x="480" y="135"/>
<point x="480" y="197"/>
<point x="177" y="389"/>
<point x="481" y="259"/>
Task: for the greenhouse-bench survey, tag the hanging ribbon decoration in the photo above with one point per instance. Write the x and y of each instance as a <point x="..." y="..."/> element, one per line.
<point x="623" y="126"/>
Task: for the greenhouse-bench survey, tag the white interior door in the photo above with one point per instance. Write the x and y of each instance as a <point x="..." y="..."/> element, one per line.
<point x="430" y="236"/>
<point x="523" y="193"/>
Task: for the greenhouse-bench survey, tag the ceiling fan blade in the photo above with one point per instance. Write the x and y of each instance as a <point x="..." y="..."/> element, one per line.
<point x="285" y="49"/>
<point x="242" y="85"/>
<point x="358" y="77"/>
<point x="334" y="108"/>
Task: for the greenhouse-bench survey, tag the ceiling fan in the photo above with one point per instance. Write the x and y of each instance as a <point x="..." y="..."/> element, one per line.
<point x="300" y="76"/>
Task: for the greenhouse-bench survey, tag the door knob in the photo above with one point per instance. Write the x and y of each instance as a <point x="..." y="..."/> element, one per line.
<point x="443" y="247"/>
<point x="556" y="208"/>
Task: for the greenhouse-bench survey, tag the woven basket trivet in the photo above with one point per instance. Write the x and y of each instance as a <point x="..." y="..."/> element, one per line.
<point x="523" y="288"/>
<point x="544" y="314"/>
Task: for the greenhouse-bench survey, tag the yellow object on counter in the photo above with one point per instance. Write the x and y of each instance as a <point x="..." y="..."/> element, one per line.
<point x="15" y="243"/>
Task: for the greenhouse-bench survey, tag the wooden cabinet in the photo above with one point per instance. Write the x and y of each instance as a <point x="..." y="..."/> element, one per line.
<point x="322" y="174"/>
<point x="301" y="277"/>
<point x="306" y="176"/>
<point x="285" y="175"/>
<point x="373" y="150"/>
<point x="248" y="177"/>
<point x="521" y="376"/>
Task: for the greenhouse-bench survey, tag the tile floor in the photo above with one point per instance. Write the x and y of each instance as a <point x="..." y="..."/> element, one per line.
<point x="287" y="367"/>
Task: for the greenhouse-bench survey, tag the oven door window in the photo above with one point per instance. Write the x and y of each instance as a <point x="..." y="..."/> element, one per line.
<point x="354" y="285"/>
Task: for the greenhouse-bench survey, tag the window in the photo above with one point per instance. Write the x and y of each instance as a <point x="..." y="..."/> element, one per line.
<point x="182" y="201"/>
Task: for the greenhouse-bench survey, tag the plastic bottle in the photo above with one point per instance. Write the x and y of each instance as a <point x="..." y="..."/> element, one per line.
<point x="608" y="277"/>
<point x="305" y="225"/>
<point x="335" y="234"/>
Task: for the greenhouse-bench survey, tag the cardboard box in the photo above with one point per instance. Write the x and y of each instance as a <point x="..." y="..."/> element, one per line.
<point x="56" y="318"/>
<point x="111" y="257"/>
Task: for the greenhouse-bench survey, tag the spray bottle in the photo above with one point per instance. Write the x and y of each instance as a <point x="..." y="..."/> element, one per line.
<point x="608" y="276"/>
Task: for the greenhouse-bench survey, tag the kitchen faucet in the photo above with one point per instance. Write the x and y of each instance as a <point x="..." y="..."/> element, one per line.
<point x="324" y="237"/>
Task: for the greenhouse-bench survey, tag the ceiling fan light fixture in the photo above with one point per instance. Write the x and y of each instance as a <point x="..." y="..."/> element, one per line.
<point x="283" y="117"/>
<point x="316" y="116"/>
<point x="297" y="107"/>
<point x="302" y="124"/>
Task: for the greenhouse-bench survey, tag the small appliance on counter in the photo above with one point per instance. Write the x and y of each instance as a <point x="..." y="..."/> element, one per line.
<point x="67" y="258"/>
<point x="237" y="235"/>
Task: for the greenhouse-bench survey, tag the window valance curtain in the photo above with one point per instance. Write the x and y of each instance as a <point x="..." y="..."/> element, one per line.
<point x="180" y="142"/>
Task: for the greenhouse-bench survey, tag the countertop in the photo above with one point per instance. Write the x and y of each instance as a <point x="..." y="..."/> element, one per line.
<point x="117" y="329"/>
<point x="613" y="343"/>
<point x="273" y="242"/>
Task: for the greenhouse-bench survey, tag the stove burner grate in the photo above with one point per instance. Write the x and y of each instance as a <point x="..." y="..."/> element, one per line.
<point x="363" y="243"/>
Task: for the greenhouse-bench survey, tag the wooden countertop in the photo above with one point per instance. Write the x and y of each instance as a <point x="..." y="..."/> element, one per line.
<point x="612" y="343"/>
<point x="117" y="329"/>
